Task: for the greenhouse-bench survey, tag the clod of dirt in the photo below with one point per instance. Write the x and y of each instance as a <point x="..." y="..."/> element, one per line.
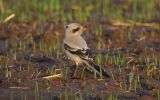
<point x="146" y="97"/>
<point x="143" y="93"/>
<point x="90" y="97"/>
<point x="4" y="31"/>
<point x="3" y="48"/>
<point x="128" y="96"/>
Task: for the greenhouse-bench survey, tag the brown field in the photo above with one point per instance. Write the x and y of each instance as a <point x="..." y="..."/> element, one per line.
<point x="32" y="65"/>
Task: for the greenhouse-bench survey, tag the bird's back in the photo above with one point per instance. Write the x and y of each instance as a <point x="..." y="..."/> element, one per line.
<point x="77" y="42"/>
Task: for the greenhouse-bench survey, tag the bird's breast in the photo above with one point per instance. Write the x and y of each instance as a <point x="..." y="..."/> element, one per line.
<point x="74" y="57"/>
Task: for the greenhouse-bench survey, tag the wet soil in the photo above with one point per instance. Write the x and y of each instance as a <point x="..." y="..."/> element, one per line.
<point x="22" y="67"/>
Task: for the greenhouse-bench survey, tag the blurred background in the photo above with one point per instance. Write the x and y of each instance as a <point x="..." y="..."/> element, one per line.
<point x="82" y="11"/>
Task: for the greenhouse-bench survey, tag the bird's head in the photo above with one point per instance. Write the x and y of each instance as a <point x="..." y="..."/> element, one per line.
<point x="74" y="29"/>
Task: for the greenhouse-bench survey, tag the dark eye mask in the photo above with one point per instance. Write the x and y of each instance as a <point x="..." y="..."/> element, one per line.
<point x="75" y="30"/>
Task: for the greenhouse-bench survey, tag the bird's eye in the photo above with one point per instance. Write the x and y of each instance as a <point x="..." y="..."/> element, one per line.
<point x="66" y="26"/>
<point x="75" y="30"/>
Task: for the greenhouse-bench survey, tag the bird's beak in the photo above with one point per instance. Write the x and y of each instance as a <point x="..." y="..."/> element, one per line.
<point x="84" y="28"/>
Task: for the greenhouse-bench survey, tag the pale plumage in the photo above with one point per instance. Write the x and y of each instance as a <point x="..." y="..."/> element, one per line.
<point x="77" y="50"/>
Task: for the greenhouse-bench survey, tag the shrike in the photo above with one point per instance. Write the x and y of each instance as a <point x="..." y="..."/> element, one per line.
<point x="75" y="47"/>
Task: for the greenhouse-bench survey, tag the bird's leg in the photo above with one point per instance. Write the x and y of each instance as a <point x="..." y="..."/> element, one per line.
<point x="83" y="71"/>
<point x="76" y="70"/>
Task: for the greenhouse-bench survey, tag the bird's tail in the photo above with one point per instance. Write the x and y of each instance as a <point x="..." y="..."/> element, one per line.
<point x="99" y="71"/>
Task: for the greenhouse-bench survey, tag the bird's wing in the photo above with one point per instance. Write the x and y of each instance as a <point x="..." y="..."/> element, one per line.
<point x="84" y="54"/>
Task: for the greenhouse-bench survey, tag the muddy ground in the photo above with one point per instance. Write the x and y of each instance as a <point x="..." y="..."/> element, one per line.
<point x="23" y="63"/>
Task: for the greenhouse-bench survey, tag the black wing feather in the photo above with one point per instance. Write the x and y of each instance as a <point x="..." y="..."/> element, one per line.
<point x="82" y="53"/>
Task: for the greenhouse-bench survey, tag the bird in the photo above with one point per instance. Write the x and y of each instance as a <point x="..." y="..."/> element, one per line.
<point x="77" y="50"/>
